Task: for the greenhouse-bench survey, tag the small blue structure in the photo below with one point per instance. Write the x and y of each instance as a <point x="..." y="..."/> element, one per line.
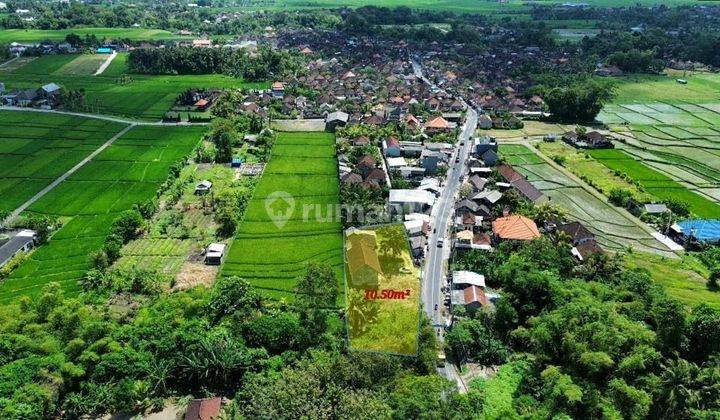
<point x="104" y="50"/>
<point x="701" y="230"/>
<point x="236" y="162"/>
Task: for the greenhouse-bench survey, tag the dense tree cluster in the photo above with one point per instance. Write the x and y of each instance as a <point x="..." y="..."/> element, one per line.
<point x="267" y="64"/>
<point x="580" y="101"/>
<point x="601" y="341"/>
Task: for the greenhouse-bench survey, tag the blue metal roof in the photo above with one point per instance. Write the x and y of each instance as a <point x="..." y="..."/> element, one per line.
<point x="703" y="230"/>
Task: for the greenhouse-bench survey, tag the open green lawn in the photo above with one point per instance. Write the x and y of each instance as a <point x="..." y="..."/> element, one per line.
<point x="656" y="183"/>
<point x="36" y="150"/>
<point x="683" y="279"/>
<point x="142" y="97"/>
<point x="271" y="256"/>
<point x="37" y="35"/>
<point x="128" y="172"/>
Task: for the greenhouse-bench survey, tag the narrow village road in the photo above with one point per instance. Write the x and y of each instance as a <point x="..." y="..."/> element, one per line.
<point x="65" y="176"/>
<point x="443" y="210"/>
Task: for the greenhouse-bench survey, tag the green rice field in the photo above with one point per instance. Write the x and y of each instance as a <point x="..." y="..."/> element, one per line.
<point x="128" y="172"/>
<point x="35" y="151"/>
<point x="673" y="129"/>
<point x="114" y="92"/>
<point x="37" y="35"/>
<point x="299" y="183"/>
<point x="656" y="183"/>
<point x="612" y="228"/>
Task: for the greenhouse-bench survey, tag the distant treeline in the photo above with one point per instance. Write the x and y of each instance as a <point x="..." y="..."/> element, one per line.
<point x="264" y="65"/>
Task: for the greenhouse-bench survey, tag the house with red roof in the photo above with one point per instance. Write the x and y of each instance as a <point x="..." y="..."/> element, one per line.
<point x="514" y="228"/>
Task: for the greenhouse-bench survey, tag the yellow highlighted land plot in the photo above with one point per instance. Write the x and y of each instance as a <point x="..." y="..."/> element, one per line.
<point x="383" y="290"/>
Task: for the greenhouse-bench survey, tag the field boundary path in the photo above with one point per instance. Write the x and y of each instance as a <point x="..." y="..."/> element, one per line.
<point x="106" y="63"/>
<point x="97" y="116"/>
<point x="67" y="174"/>
<point x="5" y="63"/>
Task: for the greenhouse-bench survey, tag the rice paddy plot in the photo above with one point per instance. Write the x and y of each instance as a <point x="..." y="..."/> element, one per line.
<point x="83" y="65"/>
<point x="37" y="35"/>
<point x="291" y="219"/>
<point x="613" y="230"/>
<point x="91" y="201"/>
<point x="656" y="183"/>
<point x="35" y="151"/>
<point x="116" y="92"/>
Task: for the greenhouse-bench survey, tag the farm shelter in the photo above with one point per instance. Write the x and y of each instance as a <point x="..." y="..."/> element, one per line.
<point x="701" y="230"/>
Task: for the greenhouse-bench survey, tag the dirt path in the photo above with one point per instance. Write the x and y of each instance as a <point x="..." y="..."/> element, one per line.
<point x="96" y="116"/>
<point x="107" y="62"/>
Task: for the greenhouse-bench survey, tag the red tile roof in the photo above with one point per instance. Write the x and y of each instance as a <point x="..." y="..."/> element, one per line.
<point x="515" y="227"/>
<point x="475" y="294"/>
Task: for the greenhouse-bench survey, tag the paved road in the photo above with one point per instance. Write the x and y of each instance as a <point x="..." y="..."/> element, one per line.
<point x="434" y="273"/>
<point x="443" y="211"/>
<point x="96" y="116"/>
<point x="64" y="176"/>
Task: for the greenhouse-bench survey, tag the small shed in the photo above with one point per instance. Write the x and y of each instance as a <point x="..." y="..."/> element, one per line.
<point x="236" y="162"/>
<point x="104" y="50"/>
<point x="214" y="254"/>
<point x="203" y="187"/>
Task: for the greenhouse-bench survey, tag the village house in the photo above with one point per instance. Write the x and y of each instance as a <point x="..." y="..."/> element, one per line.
<point x="391" y="146"/>
<point x="590" y="140"/>
<point x="514" y="228"/>
<point x="471" y="298"/>
<point x="203" y="409"/>
<point x="525" y="188"/>
<point x="403" y="201"/>
<point x="22" y="241"/>
<point x="335" y="119"/>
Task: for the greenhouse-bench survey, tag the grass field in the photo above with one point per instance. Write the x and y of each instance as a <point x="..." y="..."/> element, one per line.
<point x="272" y="255"/>
<point x="614" y="231"/>
<point x="142" y="97"/>
<point x="683" y="279"/>
<point x="386" y="325"/>
<point x="664" y="88"/>
<point x="128" y="172"/>
<point x="656" y="183"/>
<point x="498" y="391"/>
<point x="35" y="151"/>
<point x="37" y="35"/>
